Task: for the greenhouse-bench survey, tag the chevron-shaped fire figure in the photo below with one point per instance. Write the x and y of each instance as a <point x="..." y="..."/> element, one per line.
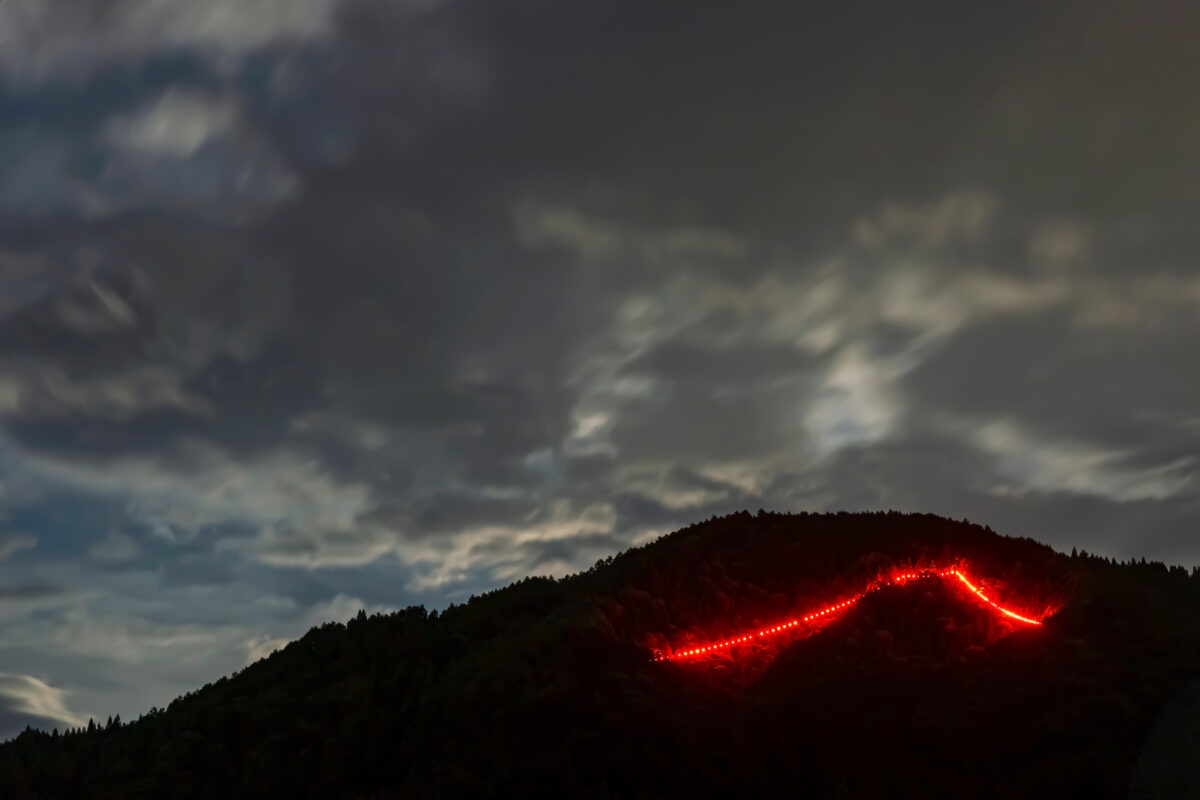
<point x="956" y="573"/>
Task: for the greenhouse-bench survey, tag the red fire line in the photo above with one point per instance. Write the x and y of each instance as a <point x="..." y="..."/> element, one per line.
<point x="898" y="578"/>
<point x="992" y="603"/>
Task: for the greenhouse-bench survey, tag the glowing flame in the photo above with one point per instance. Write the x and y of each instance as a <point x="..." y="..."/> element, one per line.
<point x="895" y="579"/>
<point x="992" y="603"/>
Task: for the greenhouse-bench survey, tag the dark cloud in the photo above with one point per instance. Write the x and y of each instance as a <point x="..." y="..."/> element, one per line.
<point x="797" y="112"/>
<point x="394" y="302"/>
<point x="736" y="367"/>
<point x="1119" y="387"/>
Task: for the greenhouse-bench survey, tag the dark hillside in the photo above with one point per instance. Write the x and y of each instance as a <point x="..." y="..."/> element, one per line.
<point x="549" y="687"/>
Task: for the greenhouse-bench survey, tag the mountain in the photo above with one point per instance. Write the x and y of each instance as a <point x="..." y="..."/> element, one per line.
<point x="915" y="684"/>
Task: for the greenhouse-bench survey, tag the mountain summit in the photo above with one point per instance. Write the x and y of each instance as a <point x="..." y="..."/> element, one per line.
<point x="825" y="655"/>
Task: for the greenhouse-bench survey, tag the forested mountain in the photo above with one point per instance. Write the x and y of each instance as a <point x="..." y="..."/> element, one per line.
<point x="551" y="687"/>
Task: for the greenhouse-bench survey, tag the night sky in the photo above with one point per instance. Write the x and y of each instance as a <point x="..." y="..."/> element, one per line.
<point x="308" y="306"/>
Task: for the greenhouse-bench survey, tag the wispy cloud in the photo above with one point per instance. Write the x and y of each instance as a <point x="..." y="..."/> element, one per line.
<point x="28" y="696"/>
<point x="16" y="542"/>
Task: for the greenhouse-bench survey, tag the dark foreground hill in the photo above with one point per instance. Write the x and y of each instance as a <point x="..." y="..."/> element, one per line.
<point x="550" y="688"/>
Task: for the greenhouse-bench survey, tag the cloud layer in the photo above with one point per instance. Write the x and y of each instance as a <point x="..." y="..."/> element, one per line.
<point x="312" y="306"/>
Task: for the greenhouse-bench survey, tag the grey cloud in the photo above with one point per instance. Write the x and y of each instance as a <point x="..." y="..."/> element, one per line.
<point x="102" y="311"/>
<point x="47" y="391"/>
<point x="736" y="368"/>
<point x="792" y="128"/>
<point x="176" y="125"/>
<point x="27" y="275"/>
<point x="38" y="180"/>
<point x="736" y="426"/>
<point x="16" y="542"/>
<point x="1098" y="385"/>
<point x="24" y="698"/>
<point x="193" y="153"/>
<point x="961" y="215"/>
<point x="36" y="328"/>
<point x="197" y="487"/>
<point x="739" y="395"/>
<point x="41" y="45"/>
<point x="115" y="547"/>
<point x="450" y="512"/>
<point x="559" y="556"/>
<point x="555" y="279"/>
<point x="33" y="591"/>
<point x="542" y="226"/>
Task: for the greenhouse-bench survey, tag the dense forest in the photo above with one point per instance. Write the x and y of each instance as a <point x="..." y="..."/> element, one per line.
<point x="550" y="686"/>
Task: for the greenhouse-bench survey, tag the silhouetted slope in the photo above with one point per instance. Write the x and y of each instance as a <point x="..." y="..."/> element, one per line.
<point x="1169" y="763"/>
<point x="547" y="687"/>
